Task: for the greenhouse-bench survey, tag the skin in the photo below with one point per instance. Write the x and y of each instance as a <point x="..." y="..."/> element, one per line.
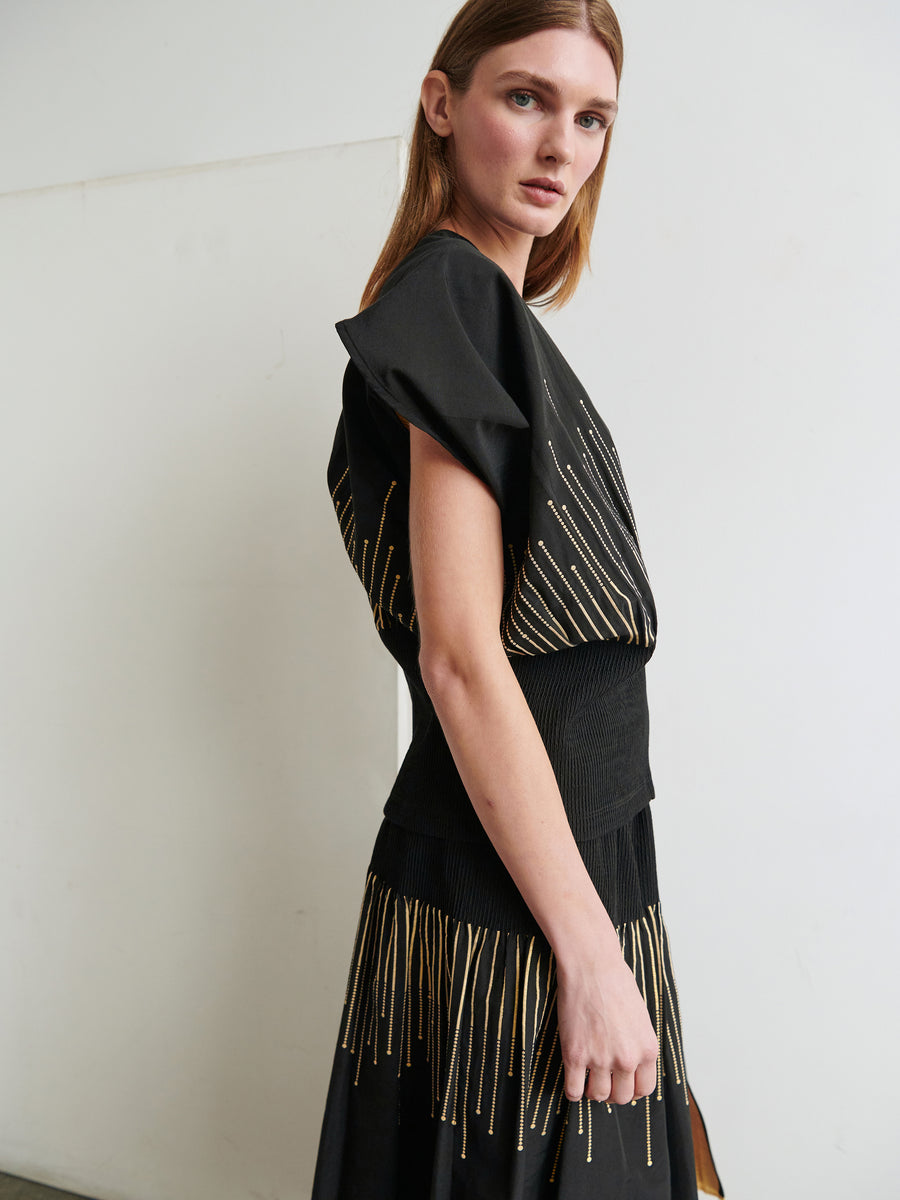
<point x="508" y="128"/>
<point x="499" y="140"/>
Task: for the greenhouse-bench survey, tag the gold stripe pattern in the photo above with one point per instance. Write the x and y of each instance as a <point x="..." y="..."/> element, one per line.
<point x="579" y="577"/>
<point x="375" y="571"/>
<point x="592" y="593"/>
<point x="475" y="1010"/>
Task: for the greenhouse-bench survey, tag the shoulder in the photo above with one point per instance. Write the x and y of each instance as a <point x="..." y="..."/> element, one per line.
<point x="445" y="294"/>
<point x="445" y="301"/>
<point x="446" y="281"/>
<point x="447" y="258"/>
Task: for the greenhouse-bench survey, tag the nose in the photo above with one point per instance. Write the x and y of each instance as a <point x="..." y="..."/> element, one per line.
<point x="559" y="141"/>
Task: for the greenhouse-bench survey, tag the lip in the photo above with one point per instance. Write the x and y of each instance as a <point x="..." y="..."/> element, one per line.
<point x="545" y="193"/>
<point x="545" y="184"/>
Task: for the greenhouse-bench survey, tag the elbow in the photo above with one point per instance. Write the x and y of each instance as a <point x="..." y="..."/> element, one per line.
<point x="460" y="667"/>
<point x="443" y="671"/>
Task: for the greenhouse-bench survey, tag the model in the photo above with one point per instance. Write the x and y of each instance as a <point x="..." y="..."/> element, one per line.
<point x="511" y="1028"/>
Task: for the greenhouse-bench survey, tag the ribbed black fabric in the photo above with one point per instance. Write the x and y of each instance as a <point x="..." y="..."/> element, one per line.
<point x="590" y="705"/>
<point x="472" y="884"/>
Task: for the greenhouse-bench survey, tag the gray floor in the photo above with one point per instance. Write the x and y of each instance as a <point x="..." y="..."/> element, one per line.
<point x="13" y="1188"/>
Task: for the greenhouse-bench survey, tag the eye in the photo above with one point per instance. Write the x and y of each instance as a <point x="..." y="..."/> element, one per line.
<point x="598" y="122"/>
<point x="522" y="99"/>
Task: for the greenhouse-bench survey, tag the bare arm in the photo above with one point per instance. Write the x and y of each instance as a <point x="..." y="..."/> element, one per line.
<point x="457" y="562"/>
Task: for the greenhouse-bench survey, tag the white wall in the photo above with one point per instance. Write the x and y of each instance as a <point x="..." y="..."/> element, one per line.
<point x="188" y="673"/>
<point x="738" y="334"/>
<point x="105" y="87"/>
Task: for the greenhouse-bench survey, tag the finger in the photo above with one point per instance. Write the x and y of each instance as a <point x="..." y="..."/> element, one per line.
<point x="645" y="1079"/>
<point x="599" y="1083"/>
<point x="575" y="1077"/>
<point x="622" y="1090"/>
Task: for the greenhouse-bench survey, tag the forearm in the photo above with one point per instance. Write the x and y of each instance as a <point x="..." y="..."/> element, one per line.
<point x="456" y="548"/>
<point x="504" y="766"/>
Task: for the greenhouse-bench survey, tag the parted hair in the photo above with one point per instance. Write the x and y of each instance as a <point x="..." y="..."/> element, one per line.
<point x="556" y="261"/>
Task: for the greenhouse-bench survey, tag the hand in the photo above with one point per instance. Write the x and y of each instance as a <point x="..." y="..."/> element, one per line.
<point x="608" y="1042"/>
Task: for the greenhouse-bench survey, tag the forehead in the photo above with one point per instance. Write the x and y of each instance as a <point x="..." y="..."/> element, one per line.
<point x="575" y="61"/>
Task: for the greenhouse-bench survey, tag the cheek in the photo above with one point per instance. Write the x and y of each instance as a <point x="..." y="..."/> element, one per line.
<point x="501" y="141"/>
<point x="588" y="162"/>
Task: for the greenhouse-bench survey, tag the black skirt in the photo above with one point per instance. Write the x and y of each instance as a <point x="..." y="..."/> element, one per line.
<point x="447" y="1081"/>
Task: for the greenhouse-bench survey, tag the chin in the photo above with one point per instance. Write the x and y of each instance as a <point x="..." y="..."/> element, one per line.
<point x="543" y="229"/>
<point x="541" y="225"/>
<point x="536" y="228"/>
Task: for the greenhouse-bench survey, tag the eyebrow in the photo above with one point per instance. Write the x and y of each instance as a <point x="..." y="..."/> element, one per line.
<point x="547" y="85"/>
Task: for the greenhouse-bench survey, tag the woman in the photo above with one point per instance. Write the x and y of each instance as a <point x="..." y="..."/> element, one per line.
<point x="511" y="1027"/>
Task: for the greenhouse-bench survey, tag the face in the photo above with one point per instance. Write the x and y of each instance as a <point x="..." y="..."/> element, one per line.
<point x="528" y="131"/>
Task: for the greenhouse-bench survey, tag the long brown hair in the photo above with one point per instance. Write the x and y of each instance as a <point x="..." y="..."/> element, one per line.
<point x="556" y="261"/>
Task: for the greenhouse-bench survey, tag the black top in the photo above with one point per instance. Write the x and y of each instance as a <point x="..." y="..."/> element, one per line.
<point x="451" y="347"/>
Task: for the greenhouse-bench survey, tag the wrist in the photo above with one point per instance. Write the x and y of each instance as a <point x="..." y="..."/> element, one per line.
<point x="583" y="934"/>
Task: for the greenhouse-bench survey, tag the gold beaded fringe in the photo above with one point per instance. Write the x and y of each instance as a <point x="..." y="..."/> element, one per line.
<point x="479" y="1006"/>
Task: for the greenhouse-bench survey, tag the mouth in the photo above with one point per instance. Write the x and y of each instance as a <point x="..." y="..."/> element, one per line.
<point x="546" y="185"/>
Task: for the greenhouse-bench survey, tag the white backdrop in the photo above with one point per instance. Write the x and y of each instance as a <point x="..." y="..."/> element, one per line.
<point x="197" y="727"/>
<point x="185" y="765"/>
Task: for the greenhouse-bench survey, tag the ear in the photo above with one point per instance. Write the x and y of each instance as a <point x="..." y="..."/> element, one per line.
<point x="436" y="97"/>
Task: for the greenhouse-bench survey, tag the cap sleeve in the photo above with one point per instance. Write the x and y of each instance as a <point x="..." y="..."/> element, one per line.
<point x="446" y="346"/>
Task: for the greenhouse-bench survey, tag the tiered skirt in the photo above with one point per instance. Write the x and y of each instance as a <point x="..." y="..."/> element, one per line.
<point x="448" y="1082"/>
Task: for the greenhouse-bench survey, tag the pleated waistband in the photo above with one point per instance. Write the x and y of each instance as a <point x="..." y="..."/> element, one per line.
<point x="467" y="879"/>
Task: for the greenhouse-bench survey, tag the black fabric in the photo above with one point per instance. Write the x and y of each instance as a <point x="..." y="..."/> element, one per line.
<point x="451" y="347"/>
<point x="590" y="706"/>
<point x="447" y="1081"/>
